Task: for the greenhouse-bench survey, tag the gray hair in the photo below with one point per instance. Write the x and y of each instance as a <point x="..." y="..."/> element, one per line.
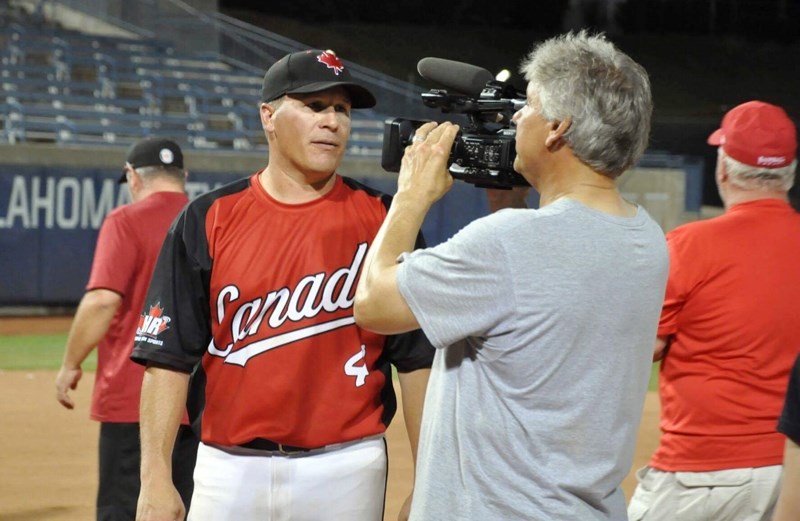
<point x="170" y="172"/>
<point x="605" y="93"/>
<point x="749" y="177"/>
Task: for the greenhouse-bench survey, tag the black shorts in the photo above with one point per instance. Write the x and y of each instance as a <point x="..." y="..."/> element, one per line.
<point x="120" y="457"/>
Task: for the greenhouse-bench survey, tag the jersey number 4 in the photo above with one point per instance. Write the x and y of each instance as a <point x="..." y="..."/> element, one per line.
<point x="359" y="371"/>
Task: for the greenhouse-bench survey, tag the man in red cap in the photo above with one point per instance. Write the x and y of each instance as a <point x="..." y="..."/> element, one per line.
<point x="107" y="317"/>
<point x="728" y="334"/>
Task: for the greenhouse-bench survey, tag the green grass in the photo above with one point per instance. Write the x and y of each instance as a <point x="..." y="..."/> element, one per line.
<point x="31" y="352"/>
<point x="653" y="386"/>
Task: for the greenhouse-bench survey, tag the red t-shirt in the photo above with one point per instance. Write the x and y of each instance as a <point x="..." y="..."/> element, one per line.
<point x="731" y="308"/>
<point x="127" y="247"/>
<point x="262" y="292"/>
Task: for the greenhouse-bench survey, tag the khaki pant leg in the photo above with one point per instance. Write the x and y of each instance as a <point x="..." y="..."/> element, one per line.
<point x="747" y="494"/>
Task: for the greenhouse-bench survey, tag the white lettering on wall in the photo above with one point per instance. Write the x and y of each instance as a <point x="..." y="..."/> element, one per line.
<point x="94" y="208"/>
<point x="68" y="203"/>
<point x="67" y="209"/>
<point x="42" y="202"/>
<point x="17" y="204"/>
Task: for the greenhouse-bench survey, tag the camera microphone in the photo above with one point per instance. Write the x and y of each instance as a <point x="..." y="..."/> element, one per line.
<point x="484" y="151"/>
<point x="457" y="76"/>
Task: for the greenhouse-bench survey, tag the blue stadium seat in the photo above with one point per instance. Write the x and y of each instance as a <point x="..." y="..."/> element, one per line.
<point x="68" y="87"/>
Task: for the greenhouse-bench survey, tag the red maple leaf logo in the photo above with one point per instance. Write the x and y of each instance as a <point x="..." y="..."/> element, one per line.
<point x="157" y="310"/>
<point x="331" y="61"/>
<point x="153" y="323"/>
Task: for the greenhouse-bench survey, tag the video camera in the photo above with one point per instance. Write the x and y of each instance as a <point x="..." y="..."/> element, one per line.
<point x="484" y="150"/>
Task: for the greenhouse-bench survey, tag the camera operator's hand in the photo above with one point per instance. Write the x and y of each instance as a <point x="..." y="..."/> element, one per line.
<point x="423" y="171"/>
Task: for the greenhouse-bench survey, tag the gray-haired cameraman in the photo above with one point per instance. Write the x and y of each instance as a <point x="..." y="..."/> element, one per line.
<point x="543" y="319"/>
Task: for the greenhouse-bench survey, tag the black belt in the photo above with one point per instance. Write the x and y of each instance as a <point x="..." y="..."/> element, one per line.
<point x="271" y="446"/>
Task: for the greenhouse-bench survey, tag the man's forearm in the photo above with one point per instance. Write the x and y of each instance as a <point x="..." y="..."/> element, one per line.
<point x="398" y="233"/>
<point x="413" y="386"/>
<point x="379" y="305"/>
<point x="163" y="402"/>
<point x="422" y="181"/>
<point x="92" y="320"/>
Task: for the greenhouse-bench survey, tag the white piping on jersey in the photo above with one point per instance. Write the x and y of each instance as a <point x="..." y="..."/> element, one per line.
<point x="241" y="356"/>
<point x="313" y="295"/>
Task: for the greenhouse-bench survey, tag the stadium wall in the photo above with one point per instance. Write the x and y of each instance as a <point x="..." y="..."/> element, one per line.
<point x="54" y="198"/>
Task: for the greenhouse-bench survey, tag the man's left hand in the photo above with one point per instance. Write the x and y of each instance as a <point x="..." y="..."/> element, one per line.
<point x="423" y="171"/>
<point x="67" y="379"/>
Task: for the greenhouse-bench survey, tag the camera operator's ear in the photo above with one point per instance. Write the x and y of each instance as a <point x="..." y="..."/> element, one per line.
<point x="555" y="139"/>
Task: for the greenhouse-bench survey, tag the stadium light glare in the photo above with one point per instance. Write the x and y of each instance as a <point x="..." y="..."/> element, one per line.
<point x="503" y="75"/>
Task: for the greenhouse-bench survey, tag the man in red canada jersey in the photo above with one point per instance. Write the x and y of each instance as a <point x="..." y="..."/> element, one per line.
<point x="728" y="334"/>
<point x="108" y="315"/>
<point x="256" y="282"/>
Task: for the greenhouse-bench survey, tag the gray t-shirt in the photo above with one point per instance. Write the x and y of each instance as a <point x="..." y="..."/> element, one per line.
<point x="546" y="320"/>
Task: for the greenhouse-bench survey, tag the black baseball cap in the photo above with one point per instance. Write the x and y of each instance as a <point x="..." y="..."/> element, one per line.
<point x="312" y="71"/>
<point x="153" y="151"/>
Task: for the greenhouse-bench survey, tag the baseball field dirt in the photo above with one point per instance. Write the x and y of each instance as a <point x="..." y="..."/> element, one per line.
<point x="48" y="458"/>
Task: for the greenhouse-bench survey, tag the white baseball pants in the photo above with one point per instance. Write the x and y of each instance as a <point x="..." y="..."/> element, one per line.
<point x="338" y="483"/>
